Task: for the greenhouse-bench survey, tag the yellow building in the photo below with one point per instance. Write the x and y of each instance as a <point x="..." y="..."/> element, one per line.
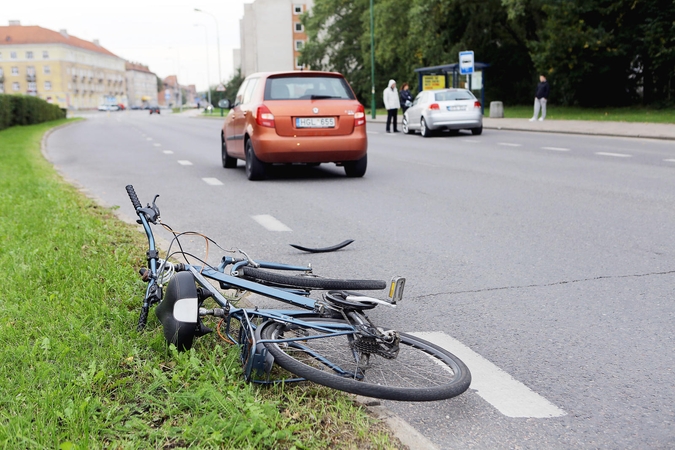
<point x="62" y="69"/>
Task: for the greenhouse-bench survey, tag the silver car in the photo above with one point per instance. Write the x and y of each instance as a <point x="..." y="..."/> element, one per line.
<point x="443" y="109"/>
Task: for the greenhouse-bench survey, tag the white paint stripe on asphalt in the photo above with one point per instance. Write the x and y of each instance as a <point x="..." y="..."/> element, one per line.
<point x="669" y="160"/>
<point x="372" y="132"/>
<point x="157" y="145"/>
<point x="270" y="223"/>
<point x="616" y="155"/>
<point x="184" y="162"/>
<point x="511" y="397"/>
<point x="213" y="181"/>
<point x="556" y="149"/>
<point x="471" y="141"/>
<point x="167" y="152"/>
<point x="509" y="144"/>
<point x="149" y="139"/>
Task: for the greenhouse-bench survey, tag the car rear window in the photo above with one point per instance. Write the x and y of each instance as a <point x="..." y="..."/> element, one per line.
<point x="444" y="96"/>
<point x="307" y="88"/>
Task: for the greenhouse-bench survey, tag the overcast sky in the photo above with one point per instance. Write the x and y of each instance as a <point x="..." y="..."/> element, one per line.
<point x="163" y="35"/>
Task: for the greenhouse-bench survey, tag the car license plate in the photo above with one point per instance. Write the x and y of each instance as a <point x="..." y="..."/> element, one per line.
<point x="315" y="122"/>
<point x="457" y="108"/>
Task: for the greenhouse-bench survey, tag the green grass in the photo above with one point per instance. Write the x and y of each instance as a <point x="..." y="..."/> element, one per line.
<point x="215" y="112"/>
<point x="75" y="373"/>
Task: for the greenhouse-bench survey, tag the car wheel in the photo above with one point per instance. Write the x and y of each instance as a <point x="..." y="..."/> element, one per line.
<point x="477" y="131"/>
<point x="228" y="161"/>
<point x="406" y="128"/>
<point x="255" y="169"/>
<point x="356" y="169"/>
<point x="426" y="132"/>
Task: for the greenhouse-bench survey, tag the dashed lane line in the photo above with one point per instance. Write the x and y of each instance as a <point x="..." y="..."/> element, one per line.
<point x="148" y="139"/>
<point x="556" y="149"/>
<point x="270" y="222"/>
<point x="508" y="144"/>
<point x="669" y="160"/>
<point x="213" y="181"/>
<point x="157" y="144"/>
<point x="167" y="152"/>
<point x="184" y="162"/>
<point x="615" y="155"/>
<point x="511" y="397"/>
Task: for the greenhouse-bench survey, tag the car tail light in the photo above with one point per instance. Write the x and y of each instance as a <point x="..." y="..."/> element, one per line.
<point x="434" y="106"/>
<point x="264" y="117"/>
<point x="359" y="116"/>
<point x="476" y="104"/>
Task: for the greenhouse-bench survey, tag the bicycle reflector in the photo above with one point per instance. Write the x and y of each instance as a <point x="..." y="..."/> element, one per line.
<point x="396" y="289"/>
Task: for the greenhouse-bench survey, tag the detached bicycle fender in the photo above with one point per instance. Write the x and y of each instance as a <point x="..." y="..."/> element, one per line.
<point x="324" y="249"/>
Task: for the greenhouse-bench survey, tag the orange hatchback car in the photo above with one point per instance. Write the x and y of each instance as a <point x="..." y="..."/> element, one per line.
<point x="306" y="117"/>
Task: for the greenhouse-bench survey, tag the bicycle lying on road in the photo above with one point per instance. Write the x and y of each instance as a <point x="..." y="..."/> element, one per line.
<point x="329" y="341"/>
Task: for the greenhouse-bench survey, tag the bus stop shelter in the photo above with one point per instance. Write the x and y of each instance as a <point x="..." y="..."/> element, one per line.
<point x="448" y="75"/>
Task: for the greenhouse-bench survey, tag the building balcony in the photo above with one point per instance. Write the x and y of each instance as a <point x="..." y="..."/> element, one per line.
<point x="30" y="77"/>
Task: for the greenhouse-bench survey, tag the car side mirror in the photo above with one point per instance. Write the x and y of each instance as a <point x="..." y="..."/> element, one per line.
<point x="224" y="104"/>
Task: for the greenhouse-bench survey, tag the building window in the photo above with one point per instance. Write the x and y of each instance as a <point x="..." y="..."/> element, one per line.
<point x="47" y="70"/>
<point x="299" y="44"/>
<point x="2" y="88"/>
<point x="48" y="85"/>
<point x="15" y="86"/>
<point x="29" y="55"/>
<point x="299" y="28"/>
<point x="12" y="55"/>
<point x="45" y="54"/>
<point x="2" y="72"/>
<point x="32" y="86"/>
<point x="297" y="9"/>
<point x="15" y="71"/>
<point x="298" y="65"/>
<point x="0" y="55"/>
<point x="30" y="70"/>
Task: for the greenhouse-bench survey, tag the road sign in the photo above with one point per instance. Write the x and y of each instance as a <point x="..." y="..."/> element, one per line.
<point x="220" y="88"/>
<point x="167" y="95"/>
<point x="466" y="63"/>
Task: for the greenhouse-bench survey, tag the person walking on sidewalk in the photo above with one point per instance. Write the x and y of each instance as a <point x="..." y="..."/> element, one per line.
<point x="406" y="97"/>
<point x="540" y="99"/>
<point x="391" y="104"/>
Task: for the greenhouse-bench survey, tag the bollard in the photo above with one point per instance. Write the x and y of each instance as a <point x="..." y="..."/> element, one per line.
<point x="497" y="110"/>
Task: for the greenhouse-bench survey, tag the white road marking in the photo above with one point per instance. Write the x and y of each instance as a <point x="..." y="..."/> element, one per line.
<point x="213" y="181"/>
<point x="184" y="162"/>
<point x="157" y="145"/>
<point x="167" y="152"/>
<point x="471" y="141"/>
<point x="510" y="145"/>
<point x="501" y="390"/>
<point x="616" y="155"/>
<point x="556" y="149"/>
<point x="149" y="139"/>
<point x="372" y="132"/>
<point x="271" y="223"/>
<point x="669" y="160"/>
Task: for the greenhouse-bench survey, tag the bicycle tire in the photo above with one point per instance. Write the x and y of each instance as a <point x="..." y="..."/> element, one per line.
<point x="268" y="277"/>
<point x="421" y="372"/>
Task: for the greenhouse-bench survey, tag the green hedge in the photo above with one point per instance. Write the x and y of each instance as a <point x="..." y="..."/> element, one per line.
<point x="26" y="110"/>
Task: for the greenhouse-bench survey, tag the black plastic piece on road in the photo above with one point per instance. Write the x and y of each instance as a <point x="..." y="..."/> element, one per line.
<point x="325" y="249"/>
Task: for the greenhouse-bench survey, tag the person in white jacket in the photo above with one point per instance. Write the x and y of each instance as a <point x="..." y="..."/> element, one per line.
<point x="392" y="104"/>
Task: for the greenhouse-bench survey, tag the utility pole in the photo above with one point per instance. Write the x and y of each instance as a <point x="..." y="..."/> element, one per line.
<point x="372" y="60"/>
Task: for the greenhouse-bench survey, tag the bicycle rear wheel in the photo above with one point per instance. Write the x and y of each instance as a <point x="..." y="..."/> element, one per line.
<point x="422" y="371"/>
<point x="310" y="282"/>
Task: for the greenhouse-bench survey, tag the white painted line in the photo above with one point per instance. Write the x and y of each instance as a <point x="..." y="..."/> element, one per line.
<point x="669" y="160"/>
<point x="184" y="162"/>
<point x="556" y="149"/>
<point x="270" y="223"/>
<point x="157" y="145"/>
<point x="507" y="144"/>
<point x="616" y="155"/>
<point x="148" y="139"/>
<point x="471" y="141"/>
<point x="167" y="152"/>
<point x="213" y="181"/>
<point x="372" y="132"/>
<point x="511" y="397"/>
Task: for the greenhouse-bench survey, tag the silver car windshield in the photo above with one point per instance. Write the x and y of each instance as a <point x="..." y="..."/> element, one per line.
<point x="445" y="96"/>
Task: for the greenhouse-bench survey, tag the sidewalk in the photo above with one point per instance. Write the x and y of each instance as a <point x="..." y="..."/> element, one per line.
<point x="597" y="128"/>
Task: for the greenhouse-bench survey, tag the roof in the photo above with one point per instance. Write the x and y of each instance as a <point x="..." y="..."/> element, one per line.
<point x="136" y="66"/>
<point x="33" y="34"/>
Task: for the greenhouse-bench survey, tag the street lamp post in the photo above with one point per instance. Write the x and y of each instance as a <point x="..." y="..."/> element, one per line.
<point x="220" y="75"/>
<point x="372" y="61"/>
<point x="208" y="82"/>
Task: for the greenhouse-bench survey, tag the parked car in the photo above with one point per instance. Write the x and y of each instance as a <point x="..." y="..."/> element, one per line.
<point x="439" y="109"/>
<point x="113" y="107"/>
<point x="154" y="110"/>
<point x="103" y="108"/>
<point x="306" y="117"/>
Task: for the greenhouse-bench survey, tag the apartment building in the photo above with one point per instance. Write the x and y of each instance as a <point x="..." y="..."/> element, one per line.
<point x="271" y="35"/>
<point x="141" y="85"/>
<point x="59" y="68"/>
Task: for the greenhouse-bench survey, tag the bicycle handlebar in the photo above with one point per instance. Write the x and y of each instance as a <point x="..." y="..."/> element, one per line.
<point x="133" y="197"/>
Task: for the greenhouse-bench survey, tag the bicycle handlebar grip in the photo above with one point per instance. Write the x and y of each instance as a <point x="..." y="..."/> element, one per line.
<point x="134" y="198"/>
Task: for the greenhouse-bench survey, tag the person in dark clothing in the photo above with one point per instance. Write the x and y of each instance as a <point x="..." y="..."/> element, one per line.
<point x="405" y="97"/>
<point x="540" y="99"/>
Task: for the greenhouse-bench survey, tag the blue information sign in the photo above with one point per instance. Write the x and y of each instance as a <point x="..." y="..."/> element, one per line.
<point x="466" y="63"/>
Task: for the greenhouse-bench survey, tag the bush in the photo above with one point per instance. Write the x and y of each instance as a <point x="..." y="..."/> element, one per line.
<point x="26" y="110"/>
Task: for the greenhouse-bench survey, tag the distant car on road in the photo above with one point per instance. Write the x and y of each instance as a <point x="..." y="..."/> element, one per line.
<point x="306" y="117"/>
<point x="103" y="108"/>
<point x="154" y="110"/>
<point x="444" y="109"/>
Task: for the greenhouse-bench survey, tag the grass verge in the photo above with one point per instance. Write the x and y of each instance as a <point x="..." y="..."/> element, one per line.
<point x="75" y="373"/>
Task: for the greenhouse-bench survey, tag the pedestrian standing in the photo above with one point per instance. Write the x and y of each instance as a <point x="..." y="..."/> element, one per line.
<point x="540" y="99"/>
<point x="391" y="104"/>
<point x="405" y="97"/>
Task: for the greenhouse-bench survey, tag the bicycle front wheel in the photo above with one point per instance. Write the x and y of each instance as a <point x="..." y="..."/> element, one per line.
<point x="310" y="282"/>
<point x="421" y="371"/>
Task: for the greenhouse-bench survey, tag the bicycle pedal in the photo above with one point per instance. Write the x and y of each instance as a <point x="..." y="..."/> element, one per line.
<point x="396" y="289"/>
